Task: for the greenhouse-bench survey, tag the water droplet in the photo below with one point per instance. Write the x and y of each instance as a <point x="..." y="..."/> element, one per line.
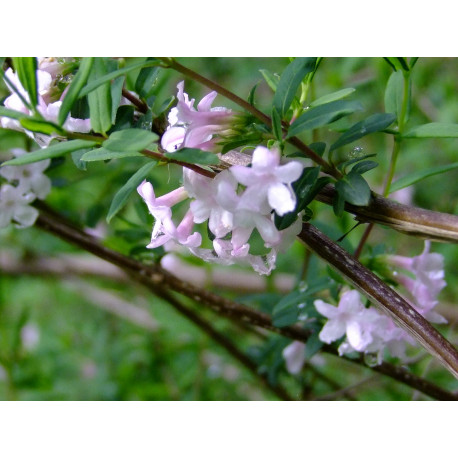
<point x="371" y="359"/>
<point x="302" y="317"/>
<point x="357" y="151"/>
<point x="302" y="286"/>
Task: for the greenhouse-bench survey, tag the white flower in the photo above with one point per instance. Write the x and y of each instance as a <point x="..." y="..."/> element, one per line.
<point x="347" y="318"/>
<point x="267" y="179"/>
<point x="294" y="356"/>
<point x="30" y="177"/>
<point x="14" y="207"/>
<point x="205" y="206"/>
<point x="193" y="128"/>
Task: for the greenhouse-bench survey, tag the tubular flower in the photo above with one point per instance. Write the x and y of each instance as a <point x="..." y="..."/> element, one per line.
<point x="193" y="128"/>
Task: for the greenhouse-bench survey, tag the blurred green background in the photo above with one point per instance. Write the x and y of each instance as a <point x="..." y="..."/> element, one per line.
<point x="61" y="335"/>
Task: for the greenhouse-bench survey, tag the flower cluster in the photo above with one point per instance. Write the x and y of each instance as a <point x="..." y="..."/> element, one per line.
<point x="193" y="128"/>
<point x="47" y="73"/>
<point x="235" y="203"/>
<point x="25" y="184"/>
<point x="369" y="331"/>
<point x="423" y="279"/>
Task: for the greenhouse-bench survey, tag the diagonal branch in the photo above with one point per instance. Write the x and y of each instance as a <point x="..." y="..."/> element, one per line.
<point x="382" y="295"/>
<point x="153" y="276"/>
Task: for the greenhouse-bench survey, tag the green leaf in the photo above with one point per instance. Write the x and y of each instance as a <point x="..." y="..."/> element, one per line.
<point x="116" y="94"/>
<point x="374" y="123"/>
<point x="120" y="198"/>
<point x="193" y="156"/>
<point x="102" y="154"/>
<point x="394" y="93"/>
<point x="313" y="346"/>
<point x="94" y="84"/>
<point x="433" y="130"/>
<point x="338" y="95"/>
<point x="364" y="166"/>
<point x="59" y="149"/>
<point x="129" y="140"/>
<point x="354" y="189"/>
<point x="26" y="69"/>
<point x="271" y="79"/>
<point x="251" y="94"/>
<point x="276" y="124"/>
<point x="318" y="148"/>
<point x="322" y="115"/>
<point x="289" y="82"/>
<point x="75" y="88"/>
<point x="415" y="177"/>
<point x="13" y="114"/>
<point x="38" y="125"/>
<point x="100" y="100"/>
<point x="146" y="80"/>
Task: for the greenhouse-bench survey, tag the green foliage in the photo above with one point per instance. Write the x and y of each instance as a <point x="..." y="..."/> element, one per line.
<point x="56" y="150"/>
<point x="120" y="198"/>
<point x="26" y="69"/>
<point x="193" y="156"/>
<point x="433" y="130"/>
<point x="75" y="88"/>
<point x="100" y="102"/>
<point x="415" y="177"/>
<point x="333" y="96"/>
<point x="129" y="140"/>
<point x="290" y="81"/>
<point x="374" y="123"/>
<point x="323" y="114"/>
<point x="353" y="188"/>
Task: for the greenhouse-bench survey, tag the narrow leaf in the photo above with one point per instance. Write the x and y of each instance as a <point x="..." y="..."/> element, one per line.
<point x="100" y="99"/>
<point x="271" y="79"/>
<point x="193" y="156"/>
<point x="13" y="114"/>
<point x="433" y="130"/>
<point x="38" y="125"/>
<point x="289" y="82"/>
<point x="129" y="140"/>
<point x="102" y="154"/>
<point x="338" y="95"/>
<point x="364" y="166"/>
<point x="94" y="84"/>
<point x="75" y="88"/>
<point x="412" y="178"/>
<point x="26" y="69"/>
<point x="56" y="150"/>
<point x="120" y="198"/>
<point x="374" y="123"/>
<point x="322" y="115"/>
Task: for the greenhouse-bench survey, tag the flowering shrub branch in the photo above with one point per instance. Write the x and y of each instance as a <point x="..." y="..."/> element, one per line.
<point x="246" y="191"/>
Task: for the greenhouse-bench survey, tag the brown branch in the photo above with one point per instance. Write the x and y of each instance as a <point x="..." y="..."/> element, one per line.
<point x="381" y="295"/>
<point x="419" y="222"/>
<point x="139" y="104"/>
<point x="153" y="276"/>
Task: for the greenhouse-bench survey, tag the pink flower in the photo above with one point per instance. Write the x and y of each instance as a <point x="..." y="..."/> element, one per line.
<point x="346" y="318"/>
<point x="294" y="356"/>
<point x="205" y="206"/>
<point x="427" y="270"/>
<point x="193" y="128"/>
<point x="164" y="229"/>
<point x="267" y="180"/>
